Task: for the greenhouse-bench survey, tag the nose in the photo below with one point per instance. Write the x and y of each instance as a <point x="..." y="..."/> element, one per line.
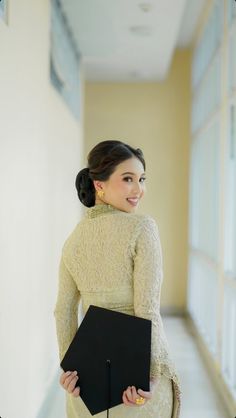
<point x="137" y="190"/>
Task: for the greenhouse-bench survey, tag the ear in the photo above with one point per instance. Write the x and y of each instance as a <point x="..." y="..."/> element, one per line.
<point x="98" y="185"/>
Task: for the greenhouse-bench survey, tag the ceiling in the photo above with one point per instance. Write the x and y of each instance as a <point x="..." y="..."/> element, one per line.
<point x="130" y="40"/>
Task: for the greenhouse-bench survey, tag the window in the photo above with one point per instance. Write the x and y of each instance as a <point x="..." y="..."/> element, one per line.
<point x="208" y="43"/>
<point x="230" y="195"/>
<point x="229" y="339"/>
<point x="204" y="192"/>
<point x="212" y="220"/>
<point x="231" y="11"/>
<point x="64" y="60"/>
<point x="232" y="59"/>
<point x="3" y="9"/>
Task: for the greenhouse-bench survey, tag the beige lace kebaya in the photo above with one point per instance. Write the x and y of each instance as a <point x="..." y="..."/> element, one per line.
<point x="113" y="259"/>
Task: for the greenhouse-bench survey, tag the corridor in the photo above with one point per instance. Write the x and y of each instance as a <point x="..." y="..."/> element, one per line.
<point x="161" y="77"/>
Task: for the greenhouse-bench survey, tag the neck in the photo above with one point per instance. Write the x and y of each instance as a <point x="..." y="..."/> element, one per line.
<point x="100" y="202"/>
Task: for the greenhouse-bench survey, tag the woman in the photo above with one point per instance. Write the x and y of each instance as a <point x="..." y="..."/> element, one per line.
<point x="113" y="259"/>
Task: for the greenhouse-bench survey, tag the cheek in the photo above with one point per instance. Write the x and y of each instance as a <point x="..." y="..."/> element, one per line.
<point x="122" y="185"/>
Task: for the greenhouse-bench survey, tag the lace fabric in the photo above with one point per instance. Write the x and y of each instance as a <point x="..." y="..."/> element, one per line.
<point x="113" y="259"/>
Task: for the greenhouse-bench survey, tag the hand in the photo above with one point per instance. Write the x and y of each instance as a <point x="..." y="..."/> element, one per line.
<point x="68" y="381"/>
<point x="131" y="394"/>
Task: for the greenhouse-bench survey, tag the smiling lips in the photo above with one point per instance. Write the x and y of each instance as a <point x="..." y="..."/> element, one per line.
<point x="133" y="201"/>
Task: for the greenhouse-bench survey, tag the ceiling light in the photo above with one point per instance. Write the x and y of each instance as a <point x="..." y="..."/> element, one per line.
<point x="145" y="7"/>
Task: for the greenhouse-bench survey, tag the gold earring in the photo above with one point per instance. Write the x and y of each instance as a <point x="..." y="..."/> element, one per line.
<point x="100" y="193"/>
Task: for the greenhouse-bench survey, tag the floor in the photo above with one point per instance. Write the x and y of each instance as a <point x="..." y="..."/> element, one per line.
<point x="199" y="398"/>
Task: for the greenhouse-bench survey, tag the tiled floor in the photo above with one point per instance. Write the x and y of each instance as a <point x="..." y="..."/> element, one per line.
<point x="199" y="399"/>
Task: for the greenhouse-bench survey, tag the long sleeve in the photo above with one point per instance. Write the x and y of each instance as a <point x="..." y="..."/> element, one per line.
<point x="147" y="280"/>
<point x="66" y="309"/>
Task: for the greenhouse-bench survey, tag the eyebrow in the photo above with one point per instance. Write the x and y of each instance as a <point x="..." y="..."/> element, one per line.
<point x="129" y="172"/>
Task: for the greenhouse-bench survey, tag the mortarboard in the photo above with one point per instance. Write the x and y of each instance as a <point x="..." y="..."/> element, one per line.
<point x="110" y="351"/>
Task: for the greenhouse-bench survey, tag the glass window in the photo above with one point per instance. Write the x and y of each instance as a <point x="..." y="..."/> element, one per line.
<point x="231" y="6"/>
<point x="205" y="277"/>
<point x="229" y="338"/>
<point x="230" y="196"/>
<point x="64" y="60"/>
<point x="232" y="60"/>
<point x="208" y="43"/>
<point x="3" y="11"/>
<point x="202" y="287"/>
<point x="204" y="192"/>
<point x="207" y="97"/>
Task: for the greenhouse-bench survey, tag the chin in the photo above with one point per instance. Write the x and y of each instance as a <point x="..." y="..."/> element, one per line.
<point x="132" y="209"/>
<point x="127" y="210"/>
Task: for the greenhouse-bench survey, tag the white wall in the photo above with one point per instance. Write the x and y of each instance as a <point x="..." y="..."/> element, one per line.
<point x="41" y="151"/>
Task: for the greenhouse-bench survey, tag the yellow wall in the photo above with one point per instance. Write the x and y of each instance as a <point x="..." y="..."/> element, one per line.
<point x="156" y="118"/>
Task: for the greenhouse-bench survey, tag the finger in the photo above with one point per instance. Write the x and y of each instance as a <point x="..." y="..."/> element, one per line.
<point x="69" y="379"/>
<point x="76" y="391"/>
<point x="64" y="376"/>
<point x="144" y="394"/>
<point x="134" y="393"/>
<point x="129" y="395"/>
<point x="67" y="375"/>
<point x="125" y="400"/>
<point x="72" y="384"/>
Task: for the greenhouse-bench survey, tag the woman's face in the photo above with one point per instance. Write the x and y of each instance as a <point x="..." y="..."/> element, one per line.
<point x="127" y="182"/>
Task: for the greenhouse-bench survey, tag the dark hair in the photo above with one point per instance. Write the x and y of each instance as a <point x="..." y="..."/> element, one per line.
<point x="102" y="162"/>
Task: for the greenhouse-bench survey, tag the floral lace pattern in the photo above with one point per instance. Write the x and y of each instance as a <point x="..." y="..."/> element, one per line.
<point x="160" y="406"/>
<point x="113" y="259"/>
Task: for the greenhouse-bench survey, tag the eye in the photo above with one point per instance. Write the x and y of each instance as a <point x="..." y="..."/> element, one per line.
<point x="142" y="178"/>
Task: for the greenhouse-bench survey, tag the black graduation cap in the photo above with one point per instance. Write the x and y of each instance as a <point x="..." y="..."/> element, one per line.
<point x="110" y="351"/>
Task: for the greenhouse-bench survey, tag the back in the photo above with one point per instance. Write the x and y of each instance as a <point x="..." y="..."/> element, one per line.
<point x="99" y="255"/>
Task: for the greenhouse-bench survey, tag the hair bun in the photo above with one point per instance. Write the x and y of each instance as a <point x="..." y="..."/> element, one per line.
<point x="85" y="188"/>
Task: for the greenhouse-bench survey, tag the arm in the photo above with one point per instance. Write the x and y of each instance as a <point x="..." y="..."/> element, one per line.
<point x="66" y="309"/>
<point x="148" y="276"/>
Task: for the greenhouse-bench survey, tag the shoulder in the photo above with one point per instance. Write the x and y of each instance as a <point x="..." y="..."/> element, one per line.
<point x="145" y="233"/>
<point x="67" y="245"/>
<point x="145" y="223"/>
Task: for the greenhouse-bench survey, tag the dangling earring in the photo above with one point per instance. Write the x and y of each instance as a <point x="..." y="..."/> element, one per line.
<point x="100" y="193"/>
